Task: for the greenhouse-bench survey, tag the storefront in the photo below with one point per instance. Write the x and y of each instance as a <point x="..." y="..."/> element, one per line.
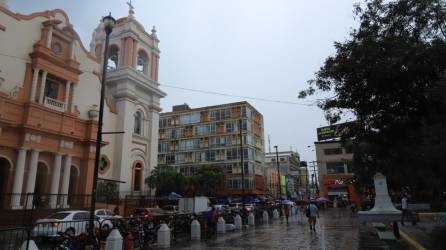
<point x="341" y="189"/>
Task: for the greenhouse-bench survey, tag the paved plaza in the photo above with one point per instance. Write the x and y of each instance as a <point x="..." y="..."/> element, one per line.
<point x="336" y="229"/>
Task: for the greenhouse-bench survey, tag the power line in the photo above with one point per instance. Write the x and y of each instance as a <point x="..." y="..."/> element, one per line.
<point x="206" y="91"/>
<point x="238" y="96"/>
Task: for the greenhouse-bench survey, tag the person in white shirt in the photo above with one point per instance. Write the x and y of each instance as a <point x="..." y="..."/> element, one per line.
<point x="404" y="208"/>
<point x="312" y="212"/>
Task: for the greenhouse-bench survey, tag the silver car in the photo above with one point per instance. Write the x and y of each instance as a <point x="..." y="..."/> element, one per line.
<point x="73" y="222"/>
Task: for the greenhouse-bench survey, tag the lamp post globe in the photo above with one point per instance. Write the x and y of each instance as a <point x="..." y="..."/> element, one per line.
<point x="109" y="23"/>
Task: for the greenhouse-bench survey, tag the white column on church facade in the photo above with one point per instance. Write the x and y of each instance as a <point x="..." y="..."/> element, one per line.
<point x="72" y="47"/>
<point x="32" y="173"/>
<point x="32" y="96"/>
<point x="18" y="179"/>
<point x="67" y="94"/>
<point x="49" y="37"/>
<point x="42" y="87"/>
<point x="65" y="180"/>
<point x="55" y="179"/>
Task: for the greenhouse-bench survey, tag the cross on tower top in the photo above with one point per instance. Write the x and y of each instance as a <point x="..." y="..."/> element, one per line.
<point x="131" y="8"/>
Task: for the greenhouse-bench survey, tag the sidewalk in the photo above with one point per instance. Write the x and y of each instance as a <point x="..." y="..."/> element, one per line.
<point x="419" y="233"/>
<point x="335" y="229"/>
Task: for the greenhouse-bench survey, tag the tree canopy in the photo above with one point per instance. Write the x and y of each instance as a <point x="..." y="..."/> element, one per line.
<point x="208" y="180"/>
<point x="167" y="180"/>
<point x="205" y="181"/>
<point x="390" y="75"/>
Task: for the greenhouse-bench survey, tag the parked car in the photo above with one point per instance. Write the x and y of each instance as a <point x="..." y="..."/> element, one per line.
<point x="160" y="214"/>
<point x="106" y="214"/>
<point x="72" y="222"/>
<point x="171" y="209"/>
<point x="106" y="218"/>
<point x="143" y="212"/>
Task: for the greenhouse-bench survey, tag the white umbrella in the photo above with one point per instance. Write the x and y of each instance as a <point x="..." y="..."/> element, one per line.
<point x="287" y="202"/>
<point x="322" y="199"/>
<point x="174" y="196"/>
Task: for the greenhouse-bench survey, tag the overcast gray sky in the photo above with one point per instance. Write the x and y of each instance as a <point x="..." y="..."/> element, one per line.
<point x="258" y="48"/>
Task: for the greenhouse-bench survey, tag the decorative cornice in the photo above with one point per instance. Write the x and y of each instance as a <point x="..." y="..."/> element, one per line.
<point x="155" y="108"/>
<point x="33" y="137"/>
<point x="66" y="144"/>
<point x="129" y="73"/>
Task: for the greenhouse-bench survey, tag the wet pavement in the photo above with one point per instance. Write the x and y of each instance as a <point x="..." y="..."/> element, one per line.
<point x="336" y="229"/>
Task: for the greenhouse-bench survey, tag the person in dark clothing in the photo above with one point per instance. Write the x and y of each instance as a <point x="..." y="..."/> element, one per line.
<point x="116" y="210"/>
<point x="286" y="211"/>
<point x="212" y="218"/>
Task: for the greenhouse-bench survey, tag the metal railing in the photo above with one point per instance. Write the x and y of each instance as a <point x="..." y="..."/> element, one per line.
<point x="142" y="229"/>
<point x="13" y="238"/>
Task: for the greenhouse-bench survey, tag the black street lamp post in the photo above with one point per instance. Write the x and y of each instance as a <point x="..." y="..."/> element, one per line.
<point x="109" y="23"/>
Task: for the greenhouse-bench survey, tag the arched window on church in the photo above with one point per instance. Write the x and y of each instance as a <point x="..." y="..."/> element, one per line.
<point x="137" y="177"/>
<point x="113" y="58"/>
<point x="138" y="120"/>
<point x="142" y="62"/>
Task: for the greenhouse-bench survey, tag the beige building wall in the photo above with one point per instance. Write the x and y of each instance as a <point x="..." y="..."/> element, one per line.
<point x="324" y="156"/>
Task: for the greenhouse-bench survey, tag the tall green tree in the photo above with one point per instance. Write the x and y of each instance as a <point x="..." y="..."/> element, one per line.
<point x="208" y="180"/>
<point x="107" y="191"/>
<point x="390" y="75"/>
<point x="166" y="180"/>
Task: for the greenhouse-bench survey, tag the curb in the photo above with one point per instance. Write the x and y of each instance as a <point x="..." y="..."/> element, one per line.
<point x="411" y="241"/>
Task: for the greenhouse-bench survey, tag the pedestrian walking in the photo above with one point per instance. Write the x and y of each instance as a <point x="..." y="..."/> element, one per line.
<point x="404" y="208"/>
<point x="312" y="212"/>
<point x="353" y="208"/>
<point x="212" y="218"/>
<point x="286" y="211"/>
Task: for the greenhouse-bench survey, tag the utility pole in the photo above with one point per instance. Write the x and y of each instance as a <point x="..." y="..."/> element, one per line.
<point x="307" y="180"/>
<point x="315" y="175"/>
<point x="279" y="191"/>
<point x="242" y="165"/>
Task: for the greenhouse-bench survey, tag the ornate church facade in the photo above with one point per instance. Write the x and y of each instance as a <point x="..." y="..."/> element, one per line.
<point x="49" y="97"/>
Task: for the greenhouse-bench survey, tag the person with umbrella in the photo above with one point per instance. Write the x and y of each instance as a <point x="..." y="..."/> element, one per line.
<point x="286" y="209"/>
<point x="311" y="213"/>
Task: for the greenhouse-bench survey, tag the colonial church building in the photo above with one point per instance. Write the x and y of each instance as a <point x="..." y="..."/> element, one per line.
<point x="49" y="99"/>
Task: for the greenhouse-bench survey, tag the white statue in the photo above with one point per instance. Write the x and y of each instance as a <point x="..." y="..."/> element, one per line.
<point x="383" y="210"/>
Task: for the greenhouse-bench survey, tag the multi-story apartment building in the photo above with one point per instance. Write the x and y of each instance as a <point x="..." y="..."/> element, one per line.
<point x="49" y="95"/>
<point x="289" y="169"/>
<point x="190" y="138"/>
<point x="334" y="166"/>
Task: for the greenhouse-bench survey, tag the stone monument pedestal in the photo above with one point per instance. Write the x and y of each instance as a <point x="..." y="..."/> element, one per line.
<point x="383" y="210"/>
